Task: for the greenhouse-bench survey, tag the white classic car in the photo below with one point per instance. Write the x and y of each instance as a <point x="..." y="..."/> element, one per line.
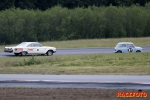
<point x="125" y="47"/>
<point x="30" y="48"/>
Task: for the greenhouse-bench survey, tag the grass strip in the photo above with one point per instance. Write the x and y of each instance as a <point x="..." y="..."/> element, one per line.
<point x="125" y="63"/>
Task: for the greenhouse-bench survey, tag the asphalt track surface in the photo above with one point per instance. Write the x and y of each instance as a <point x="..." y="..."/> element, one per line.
<point x="73" y="51"/>
<point x="76" y="81"/>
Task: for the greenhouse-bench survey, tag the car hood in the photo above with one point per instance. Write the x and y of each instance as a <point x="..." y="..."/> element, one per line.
<point x="138" y="47"/>
<point x="49" y="47"/>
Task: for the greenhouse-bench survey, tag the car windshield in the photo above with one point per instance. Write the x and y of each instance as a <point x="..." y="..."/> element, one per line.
<point x="22" y="44"/>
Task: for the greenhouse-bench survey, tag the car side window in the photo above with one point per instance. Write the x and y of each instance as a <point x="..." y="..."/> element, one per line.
<point x="122" y="45"/>
<point x="30" y="45"/>
<point x="36" y="45"/>
<point x="130" y="45"/>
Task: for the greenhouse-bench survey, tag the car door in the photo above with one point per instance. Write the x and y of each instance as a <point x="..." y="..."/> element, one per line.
<point x="37" y="48"/>
<point x="30" y="49"/>
<point x="131" y="47"/>
<point x="123" y="48"/>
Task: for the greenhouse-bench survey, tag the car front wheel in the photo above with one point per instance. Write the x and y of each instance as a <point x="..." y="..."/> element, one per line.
<point x="119" y="51"/>
<point x="23" y="53"/>
<point x="49" y="53"/>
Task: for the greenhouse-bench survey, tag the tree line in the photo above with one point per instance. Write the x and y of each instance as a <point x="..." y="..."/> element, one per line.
<point x="46" y="4"/>
<point x="60" y="23"/>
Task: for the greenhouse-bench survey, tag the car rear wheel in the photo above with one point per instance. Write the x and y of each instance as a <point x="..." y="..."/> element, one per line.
<point x="23" y="53"/>
<point x="138" y="51"/>
<point x="119" y="51"/>
<point x="49" y="53"/>
<point x="16" y="54"/>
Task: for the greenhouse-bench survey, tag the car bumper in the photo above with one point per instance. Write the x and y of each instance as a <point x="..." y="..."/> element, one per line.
<point x="9" y="50"/>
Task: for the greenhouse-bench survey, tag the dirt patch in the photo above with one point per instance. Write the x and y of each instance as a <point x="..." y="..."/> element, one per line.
<point x="16" y="93"/>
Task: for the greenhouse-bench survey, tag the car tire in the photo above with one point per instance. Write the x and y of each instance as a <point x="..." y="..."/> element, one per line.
<point x="49" y="53"/>
<point x="23" y="53"/>
<point x="138" y="51"/>
<point x="16" y="54"/>
<point x="119" y="51"/>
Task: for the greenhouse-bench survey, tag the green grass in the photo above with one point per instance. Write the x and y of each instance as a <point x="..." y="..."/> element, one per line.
<point x="92" y="43"/>
<point x="129" y="63"/>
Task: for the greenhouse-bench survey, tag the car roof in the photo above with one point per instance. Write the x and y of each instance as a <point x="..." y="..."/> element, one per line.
<point x="30" y="42"/>
<point x="125" y="43"/>
<point x="27" y="43"/>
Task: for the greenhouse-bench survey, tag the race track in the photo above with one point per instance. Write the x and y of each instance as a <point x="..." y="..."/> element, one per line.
<point x="72" y="51"/>
<point x="75" y="81"/>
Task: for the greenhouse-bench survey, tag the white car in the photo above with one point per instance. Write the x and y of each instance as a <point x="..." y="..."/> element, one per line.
<point x="30" y="48"/>
<point x="125" y="47"/>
